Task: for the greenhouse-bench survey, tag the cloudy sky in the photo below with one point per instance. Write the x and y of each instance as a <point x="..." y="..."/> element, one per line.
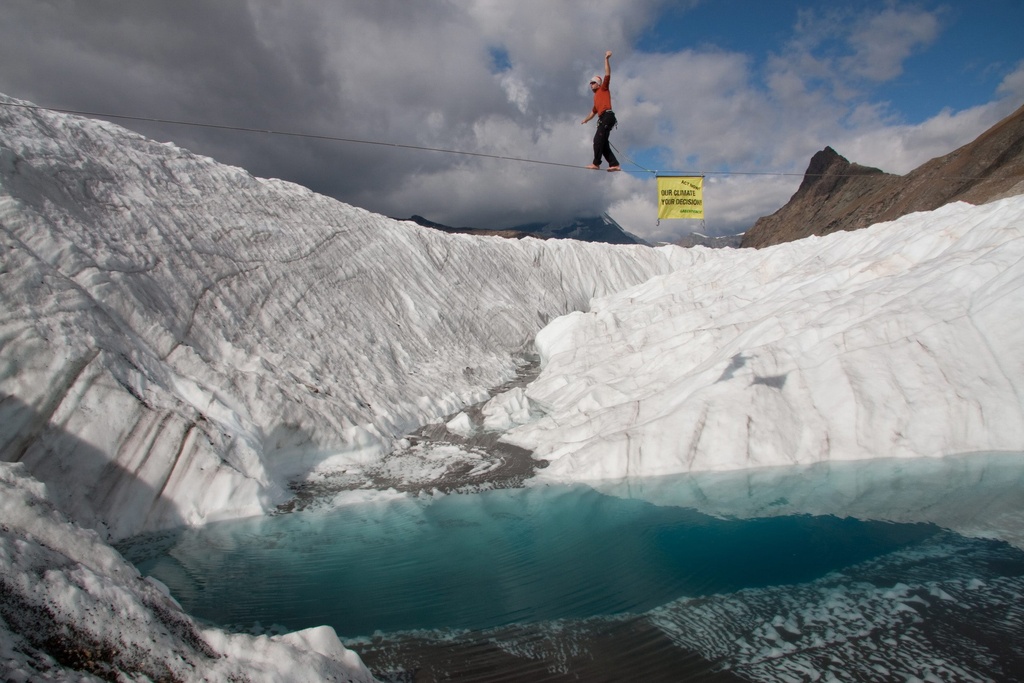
<point x="744" y="91"/>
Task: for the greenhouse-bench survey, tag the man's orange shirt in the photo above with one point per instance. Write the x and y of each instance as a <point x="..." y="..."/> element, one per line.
<point x="603" y="97"/>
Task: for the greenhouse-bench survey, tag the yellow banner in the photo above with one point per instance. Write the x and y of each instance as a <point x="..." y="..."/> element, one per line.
<point x="680" y="197"/>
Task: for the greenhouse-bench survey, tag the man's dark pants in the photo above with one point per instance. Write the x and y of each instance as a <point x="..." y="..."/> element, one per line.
<point x="602" y="147"/>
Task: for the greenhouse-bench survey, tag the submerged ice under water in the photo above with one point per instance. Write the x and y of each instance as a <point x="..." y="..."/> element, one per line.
<point x="523" y="570"/>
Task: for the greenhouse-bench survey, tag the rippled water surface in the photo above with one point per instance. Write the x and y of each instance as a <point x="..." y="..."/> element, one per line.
<point x="568" y="583"/>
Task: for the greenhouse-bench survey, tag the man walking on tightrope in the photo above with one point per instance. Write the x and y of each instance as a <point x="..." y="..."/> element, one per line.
<point x="605" y="117"/>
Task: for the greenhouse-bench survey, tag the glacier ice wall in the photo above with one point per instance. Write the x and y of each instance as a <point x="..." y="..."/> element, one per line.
<point x="179" y="338"/>
<point x="902" y="340"/>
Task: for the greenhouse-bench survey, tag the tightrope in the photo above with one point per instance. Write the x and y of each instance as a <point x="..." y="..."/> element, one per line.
<point x="398" y="145"/>
<point x="294" y="134"/>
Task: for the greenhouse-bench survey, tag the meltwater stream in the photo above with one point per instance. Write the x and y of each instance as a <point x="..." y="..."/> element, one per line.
<point x="565" y="580"/>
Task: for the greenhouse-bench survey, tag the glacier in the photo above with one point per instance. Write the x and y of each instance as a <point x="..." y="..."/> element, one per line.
<point x="181" y="342"/>
<point x="897" y="341"/>
<point x="182" y="339"/>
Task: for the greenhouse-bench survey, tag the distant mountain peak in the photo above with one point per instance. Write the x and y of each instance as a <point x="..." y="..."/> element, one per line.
<point x="601" y="228"/>
<point x="829" y="169"/>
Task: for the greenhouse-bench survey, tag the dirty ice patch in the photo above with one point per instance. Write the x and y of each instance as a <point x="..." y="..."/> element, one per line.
<point x="423" y="463"/>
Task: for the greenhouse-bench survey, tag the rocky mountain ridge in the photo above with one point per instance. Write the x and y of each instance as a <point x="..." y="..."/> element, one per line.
<point x="838" y="195"/>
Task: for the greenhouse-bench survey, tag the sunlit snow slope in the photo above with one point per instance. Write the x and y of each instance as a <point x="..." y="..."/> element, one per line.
<point x="901" y="340"/>
<point x="179" y="338"/>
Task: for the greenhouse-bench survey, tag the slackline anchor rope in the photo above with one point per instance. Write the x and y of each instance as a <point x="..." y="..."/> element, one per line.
<point x="398" y="145"/>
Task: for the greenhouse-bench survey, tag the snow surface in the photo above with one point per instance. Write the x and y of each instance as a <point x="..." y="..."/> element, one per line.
<point x="897" y="341"/>
<point x="67" y="599"/>
<point x="180" y="340"/>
